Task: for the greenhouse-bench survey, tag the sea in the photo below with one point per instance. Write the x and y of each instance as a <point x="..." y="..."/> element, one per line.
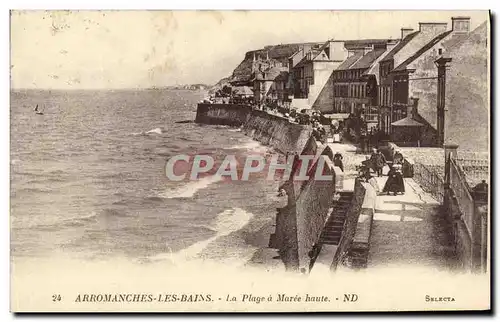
<point x="88" y="181"/>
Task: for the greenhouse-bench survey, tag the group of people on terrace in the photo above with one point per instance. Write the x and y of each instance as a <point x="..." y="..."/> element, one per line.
<point x="376" y="163"/>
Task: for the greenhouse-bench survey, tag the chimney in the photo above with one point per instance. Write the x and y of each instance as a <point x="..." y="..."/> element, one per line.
<point x="460" y="24"/>
<point x="405" y="32"/>
<point x="337" y="51"/>
<point x="391" y="44"/>
<point x="432" y="27"/>
<point x="367" y="49"/>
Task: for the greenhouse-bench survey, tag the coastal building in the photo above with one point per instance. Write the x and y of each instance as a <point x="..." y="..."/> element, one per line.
<point x="355" y="83"/>
<point x="444" y="88"/>
<point x="262" y="59"/>
<point x="312" y="73"/>
<point x="410" y="43"/>
<point x="270" y="86"/>
<point x="418" y="77"/>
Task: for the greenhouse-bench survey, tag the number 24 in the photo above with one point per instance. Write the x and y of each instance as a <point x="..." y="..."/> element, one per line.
<point x="56" y="297"/>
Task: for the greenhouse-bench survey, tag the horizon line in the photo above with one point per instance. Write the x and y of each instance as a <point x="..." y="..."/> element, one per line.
<point x="98" y="88"/>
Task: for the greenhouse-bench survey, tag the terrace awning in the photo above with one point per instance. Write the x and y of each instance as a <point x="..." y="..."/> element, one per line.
<point x="337" y="116"/>
<point x="406" y="122"/>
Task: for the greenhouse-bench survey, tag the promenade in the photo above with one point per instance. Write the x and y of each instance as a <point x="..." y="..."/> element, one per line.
<point x="407" y="229"/>
<point x="410" y="229"/>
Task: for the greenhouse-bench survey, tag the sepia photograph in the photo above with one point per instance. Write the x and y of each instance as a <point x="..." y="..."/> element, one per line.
<point x="249" y="161"/>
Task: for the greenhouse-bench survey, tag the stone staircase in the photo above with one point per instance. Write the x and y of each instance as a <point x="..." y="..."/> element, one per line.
<point x="332" y="232"/>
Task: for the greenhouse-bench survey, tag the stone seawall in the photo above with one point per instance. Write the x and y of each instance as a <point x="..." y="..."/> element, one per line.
<point x="223" y="114"/>
<point x="311" y="209"/>
<point x="300" y="222"/>
<point x="272" y="130"/>
<point x="277" y="132"/>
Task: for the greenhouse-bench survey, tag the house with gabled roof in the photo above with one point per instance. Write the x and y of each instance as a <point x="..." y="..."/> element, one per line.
<point x="269" y="85"/>
<point x="410" y="43"/>
<point x="415" y="86"/>
<point x="467" y="99"/>
<point x="312" y="73"/>
<point x="444" y="87"/>
<point x="354" y="87"/>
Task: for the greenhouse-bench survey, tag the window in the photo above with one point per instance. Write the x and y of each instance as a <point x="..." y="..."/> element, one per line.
<point x="440" y="51"/>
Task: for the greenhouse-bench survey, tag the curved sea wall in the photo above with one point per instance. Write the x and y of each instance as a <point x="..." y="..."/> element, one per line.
<point x="223" y="114"/>
<point x="277" y="131"/>
<point x="272" y="130"/>
<point x="299" y="224"/>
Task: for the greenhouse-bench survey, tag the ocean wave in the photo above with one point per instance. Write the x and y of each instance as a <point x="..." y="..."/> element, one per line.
<point x="92" y="217"/>
<point x="31" y="189"/>
<point x="154" y="198"/>
<point x="156" y="130"/>
<point x="235" y="130"/>
<point x="226" y="222"/>
<point x="46" y="179"/>
<point x="79" y="221"/>
<point x="189" y="190"/>
<point x="249" y="146"/>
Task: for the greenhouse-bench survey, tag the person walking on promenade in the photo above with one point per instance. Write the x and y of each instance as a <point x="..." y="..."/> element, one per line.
<point x="378" y="161"/>
<point x="362" y="140"/>
<point x="337" y="161"/>
<point x="367" y="176"/>
<point x="398" y="157"/>
<point x="395" y="181"/>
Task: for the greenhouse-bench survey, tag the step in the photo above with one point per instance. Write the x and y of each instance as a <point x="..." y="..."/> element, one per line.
<point x="332" y="225"/>
<point x="332" y="236"/>
<point x="332" y="233"/>
<point x="331" y="242"/>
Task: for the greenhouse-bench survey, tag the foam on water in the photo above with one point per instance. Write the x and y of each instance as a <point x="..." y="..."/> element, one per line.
<point x="152" y="131"/>
<point x="189" y="190"/>
<point x="253" y="146"/>
<point x="155" y="131"/>
<point x="226" y="222"/>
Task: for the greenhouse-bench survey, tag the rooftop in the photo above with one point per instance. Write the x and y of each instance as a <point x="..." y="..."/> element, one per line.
<point x="407" y="121"/>
<point x="399" y="46"/>
<point x="361" y="43"/>
<point x="314" y="53"/>
<point x="367" y="60"/>
<point x="422" y="50"/>
<point x="350" y="61"/>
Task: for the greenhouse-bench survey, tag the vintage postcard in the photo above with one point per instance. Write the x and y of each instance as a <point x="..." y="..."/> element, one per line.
<point x="249" y="161"/>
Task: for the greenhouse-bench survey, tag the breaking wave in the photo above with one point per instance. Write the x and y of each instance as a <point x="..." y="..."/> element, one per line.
<point x="152" y="131"/>
<point x="190" y="189"/>
<point x="226" y="222"/>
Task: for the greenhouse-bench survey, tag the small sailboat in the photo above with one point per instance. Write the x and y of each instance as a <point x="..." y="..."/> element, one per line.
<point x="38" y="112"/>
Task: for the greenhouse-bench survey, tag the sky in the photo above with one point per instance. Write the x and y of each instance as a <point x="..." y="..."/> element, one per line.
<point x="141" y="49"/>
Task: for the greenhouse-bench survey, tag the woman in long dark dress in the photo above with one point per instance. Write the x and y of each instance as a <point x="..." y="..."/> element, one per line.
<point x="337" y="161"/>
<point x="395" y="182"/>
